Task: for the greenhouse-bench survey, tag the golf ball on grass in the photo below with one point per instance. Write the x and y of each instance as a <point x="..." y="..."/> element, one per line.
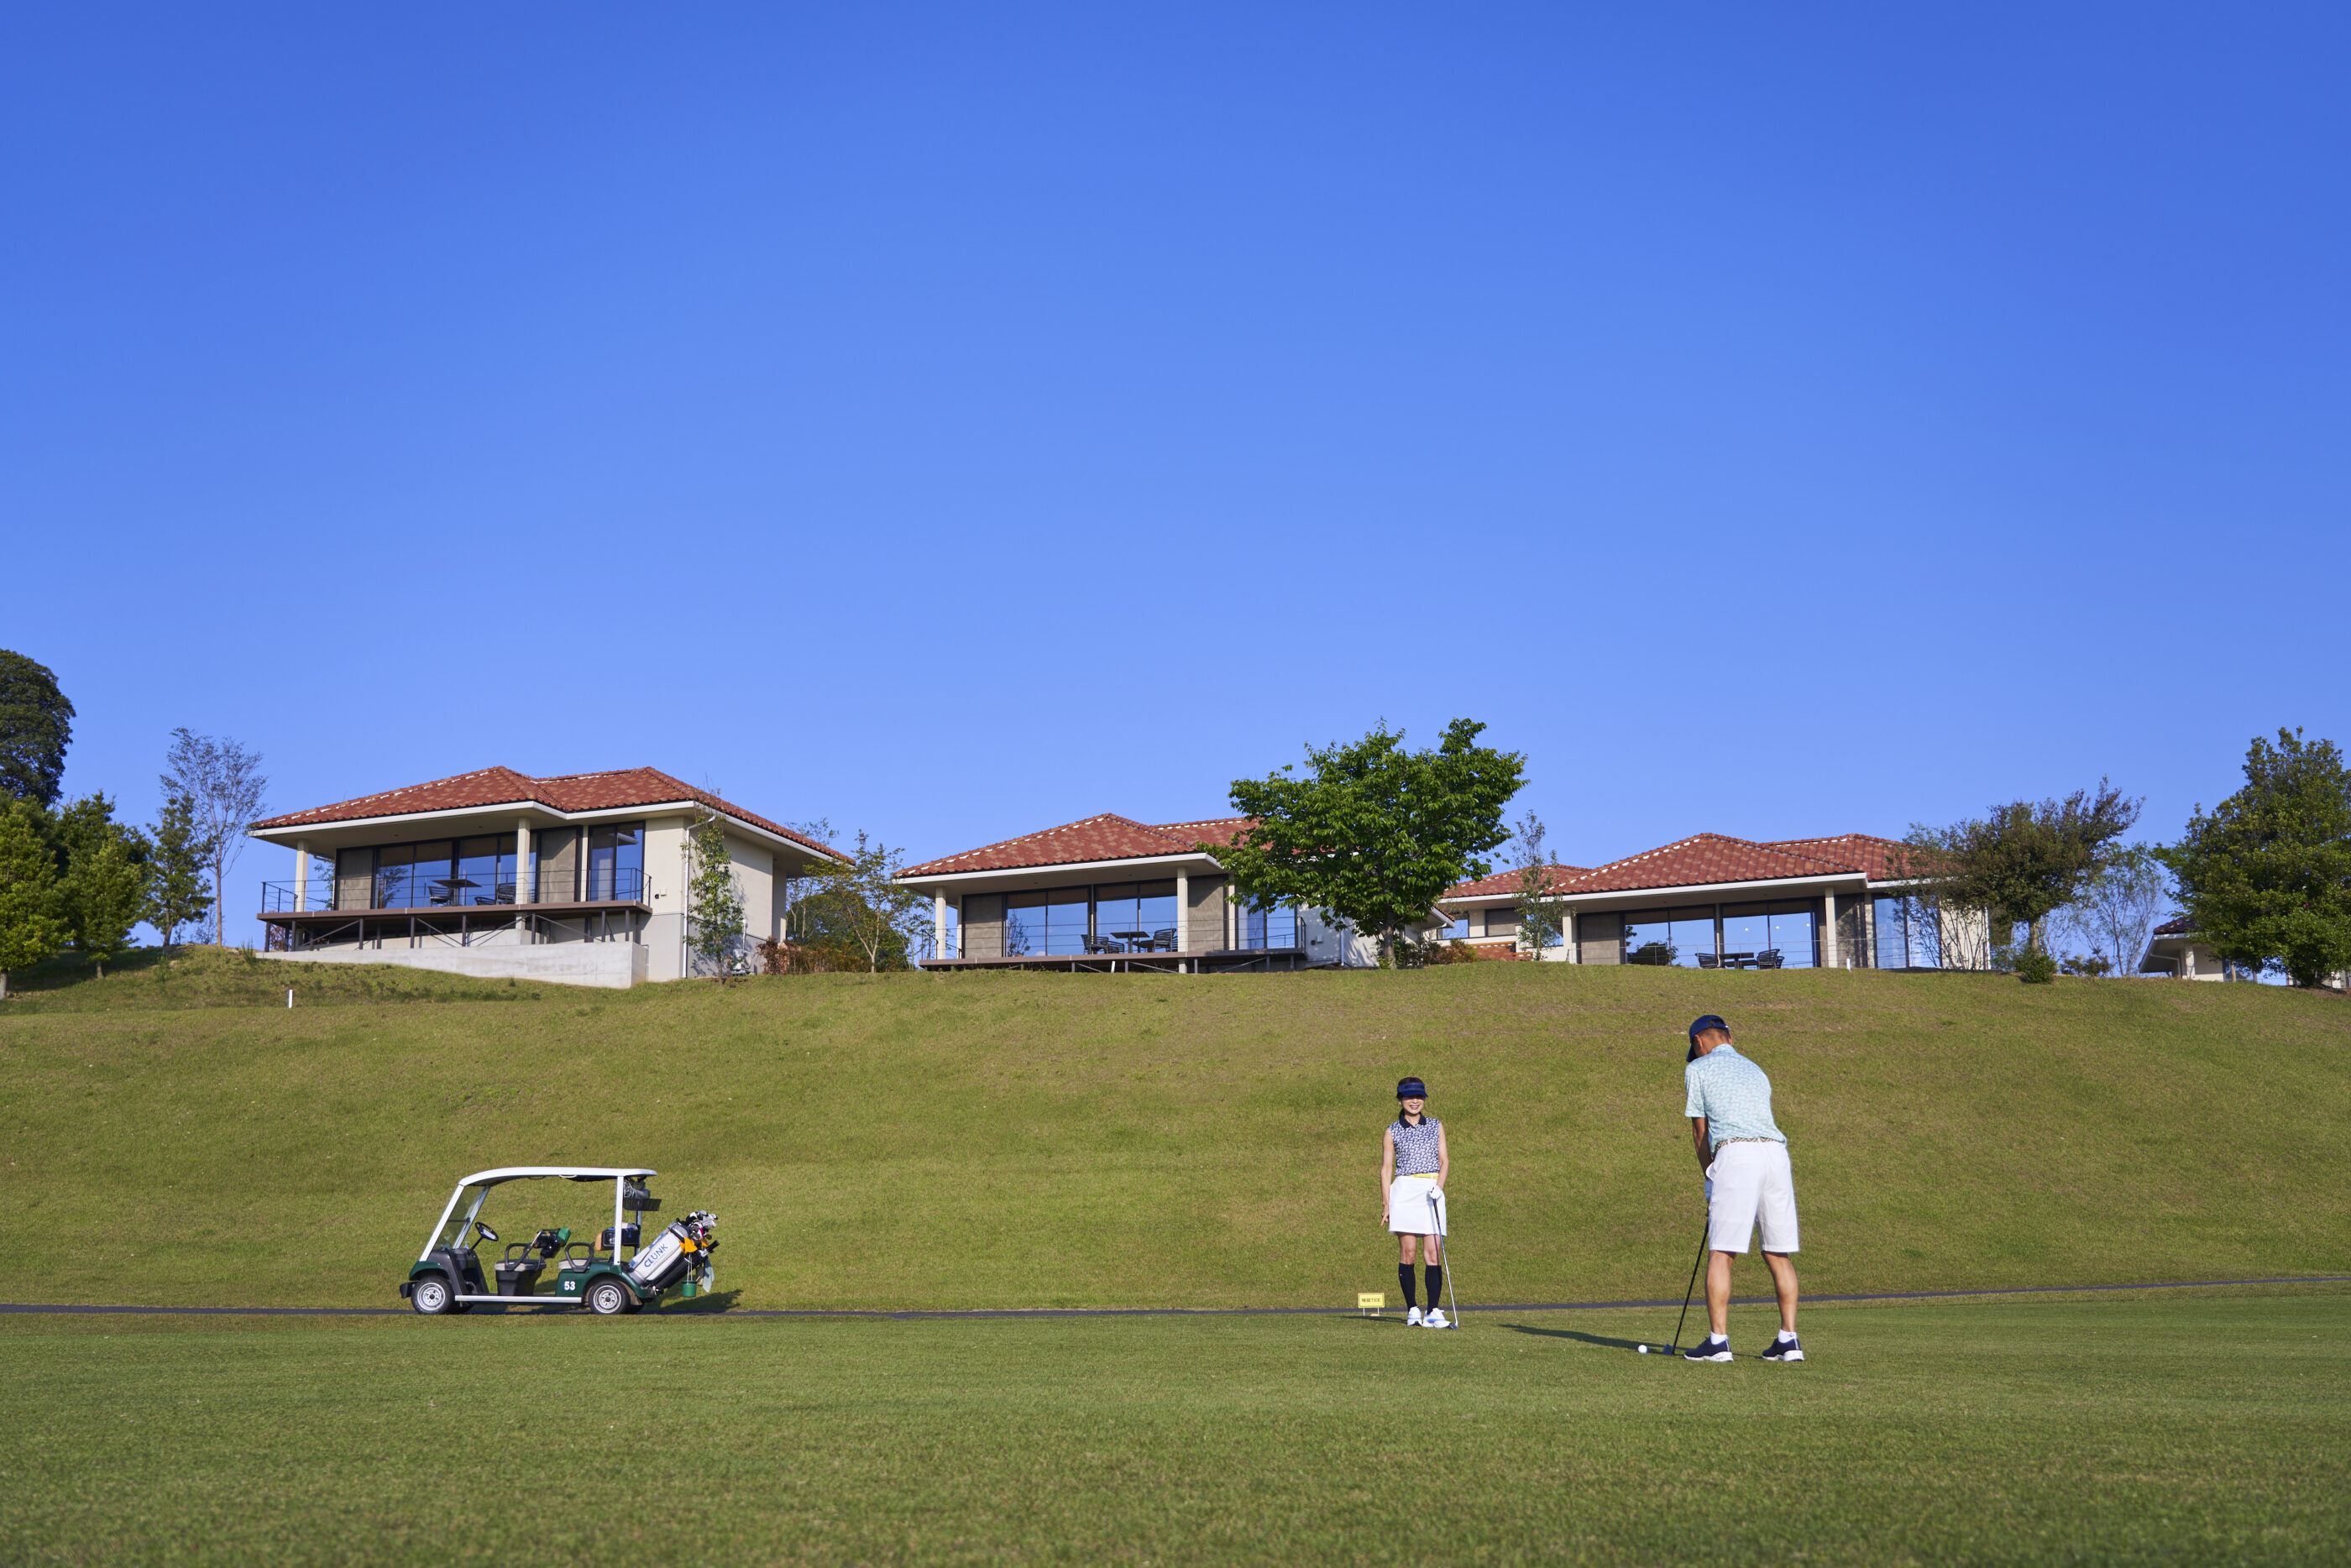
<point x="1642" y="1348"/>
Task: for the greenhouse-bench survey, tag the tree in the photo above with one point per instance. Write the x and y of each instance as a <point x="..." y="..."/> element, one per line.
<point x="714" y="899"/>
<point x="30" y="929"/>
<point x="861" y="904"/>
<point x="102" y="890"/>
<point x="176" y="880"/>
<point x="2117" y="907"/>
<point x="225" y="783"/>
<point x="1377" y="833"/>
<point x="35" y="727"/>
<point x="1542" y="915"/>
<point x="2023" y="861"/>
<point x="2266" y="877"/>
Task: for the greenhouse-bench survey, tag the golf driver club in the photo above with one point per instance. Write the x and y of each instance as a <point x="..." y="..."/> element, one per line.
<point x="1443" y="1256"/>
<point x="1676" y="1348"/>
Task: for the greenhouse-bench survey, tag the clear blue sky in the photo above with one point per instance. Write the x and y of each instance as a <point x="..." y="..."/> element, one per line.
<point x="953" y="421"/>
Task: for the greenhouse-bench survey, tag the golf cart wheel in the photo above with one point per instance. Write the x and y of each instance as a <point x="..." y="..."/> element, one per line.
<point x="609" y="1298"/>
<point x="430" y="1295"/>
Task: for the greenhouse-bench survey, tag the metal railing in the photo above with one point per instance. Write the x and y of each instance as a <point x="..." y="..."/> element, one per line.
<point x="606" y="885"/>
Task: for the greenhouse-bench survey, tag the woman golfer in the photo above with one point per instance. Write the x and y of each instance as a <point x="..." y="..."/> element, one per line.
<point x="1413" y="1168"/>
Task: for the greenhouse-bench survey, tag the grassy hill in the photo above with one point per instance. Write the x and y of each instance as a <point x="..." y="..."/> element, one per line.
<point x="1002" y="1140"/>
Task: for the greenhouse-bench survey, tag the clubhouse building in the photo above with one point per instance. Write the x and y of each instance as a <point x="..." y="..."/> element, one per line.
<point x="1710" y="901"/>
<point x="1108" y="893"/>
<point x="579" y="878"/>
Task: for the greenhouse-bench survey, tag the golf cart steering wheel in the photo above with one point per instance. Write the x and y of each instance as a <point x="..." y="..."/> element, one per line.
<point x="487" y="1234"/>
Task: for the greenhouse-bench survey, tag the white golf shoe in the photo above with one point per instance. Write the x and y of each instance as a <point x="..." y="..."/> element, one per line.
<point x="1412" y="1317"/>
<point x="1435" y="1319"/>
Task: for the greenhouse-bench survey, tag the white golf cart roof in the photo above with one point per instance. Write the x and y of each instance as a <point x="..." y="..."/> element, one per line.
<point x="575" y="1172"/>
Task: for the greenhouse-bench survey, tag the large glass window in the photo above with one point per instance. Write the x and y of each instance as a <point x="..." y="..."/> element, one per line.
<point x="1906" y="937"/>
<point x="1024" y="924"/>
<point x="1746" y="933"/>
<point x="616" y="861"/>
<point x="435" y="876"/>
<point x="1670" y="936"/>
<point x="1138" y="916"/>
<point x="1269" y="930"/>
<point x="485" y="870"/>
<point x="394" y="868"/>
<point x="1791" y="935"/>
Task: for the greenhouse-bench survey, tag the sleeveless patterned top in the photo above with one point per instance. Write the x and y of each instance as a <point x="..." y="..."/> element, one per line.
<point x="1416" y="1146"/>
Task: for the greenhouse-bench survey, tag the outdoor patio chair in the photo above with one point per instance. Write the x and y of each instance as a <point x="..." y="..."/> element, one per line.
<point x="1710" y="961"/>
<point x="1769" y="959"/>
<point x="1102" y="945"/>
<point x="1164" y="941"/>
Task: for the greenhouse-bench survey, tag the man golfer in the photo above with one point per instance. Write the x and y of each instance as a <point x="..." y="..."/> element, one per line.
<point x="1414" y="1164"/>
<point x="1744" y="1156"/>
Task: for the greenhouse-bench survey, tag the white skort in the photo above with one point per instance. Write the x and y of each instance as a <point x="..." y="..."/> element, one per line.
<point x="1408" y="1206"/>
<point x="1752" y="1184"/>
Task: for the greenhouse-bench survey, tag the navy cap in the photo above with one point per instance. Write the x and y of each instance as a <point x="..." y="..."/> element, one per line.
<point x="1412" y="1089"/>
<point x="1711" y="1021"/>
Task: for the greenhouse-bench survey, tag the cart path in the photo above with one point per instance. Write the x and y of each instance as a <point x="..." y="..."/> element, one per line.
<point x="1186" y="1312"/>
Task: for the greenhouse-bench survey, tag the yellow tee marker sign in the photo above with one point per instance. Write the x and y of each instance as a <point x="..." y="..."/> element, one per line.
<point x="1371" y="1301"/>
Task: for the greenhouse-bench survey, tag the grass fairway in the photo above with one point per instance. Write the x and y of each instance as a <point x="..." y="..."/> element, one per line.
<point x="1008" y="1141"/>
<point x="2186" y="1429"/>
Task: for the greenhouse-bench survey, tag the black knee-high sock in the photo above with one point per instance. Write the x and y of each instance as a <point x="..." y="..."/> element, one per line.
<point x="1404" y="1278"/>
<point x="1434" y="1275"/>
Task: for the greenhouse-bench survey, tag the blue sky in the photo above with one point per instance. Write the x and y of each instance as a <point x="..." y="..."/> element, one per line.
<point x="953" y="421"/>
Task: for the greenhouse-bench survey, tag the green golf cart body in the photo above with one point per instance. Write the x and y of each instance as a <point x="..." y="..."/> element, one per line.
<point x="448" y="1277"/>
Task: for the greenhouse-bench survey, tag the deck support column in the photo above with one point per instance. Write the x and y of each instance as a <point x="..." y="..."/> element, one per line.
<point x="1183" y="912"/>
<point x="301" y="874"/>
<point x="526" y="875"/>
<point x="939" y="925"/>
<point x="1836" y="948"/>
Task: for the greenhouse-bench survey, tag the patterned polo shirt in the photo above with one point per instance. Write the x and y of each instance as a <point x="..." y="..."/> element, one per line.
<point x="1416" y="1146"/>
<point x="1733" y="1095"/>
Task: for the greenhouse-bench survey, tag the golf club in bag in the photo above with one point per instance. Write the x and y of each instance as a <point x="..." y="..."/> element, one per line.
<point x="1443" y="1256"/>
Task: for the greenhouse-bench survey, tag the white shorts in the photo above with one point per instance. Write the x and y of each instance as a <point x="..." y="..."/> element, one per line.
<point x="1752" y="1183"/>
<point x="1408" y="1206"/>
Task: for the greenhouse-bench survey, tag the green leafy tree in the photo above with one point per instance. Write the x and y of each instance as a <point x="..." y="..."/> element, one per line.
<point x="2266" y="877"/>
<point x="35" y="727"/>
<point x="1542" y="914"/>
<point x="102" y="892"/>
<point x="175" y="880"/>
<point x="30" y="929"/>
<point x="861" y="904"/>
<point x="1374" y="833"/>
<point x="714" y="898"/>
<point x="225" y="783"/>
<point x="2023" y="861"/>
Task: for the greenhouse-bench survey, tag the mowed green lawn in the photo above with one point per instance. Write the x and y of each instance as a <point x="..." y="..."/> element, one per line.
<point x="1092" y="1140"/>
<point x="2184" y="1429"/>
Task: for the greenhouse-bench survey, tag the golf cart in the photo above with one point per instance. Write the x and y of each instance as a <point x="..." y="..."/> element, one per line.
<point x="447" y="1275"/>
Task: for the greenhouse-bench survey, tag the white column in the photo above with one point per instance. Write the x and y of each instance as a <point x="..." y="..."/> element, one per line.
<point x="526" y="876"/>
<point x="939" y="925"/>
<point x="1836" y="948"/>
<point x="301" y="874"/>
<point x="1183" y="910"/>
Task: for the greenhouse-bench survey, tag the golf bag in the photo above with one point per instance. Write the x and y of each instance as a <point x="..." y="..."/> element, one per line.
<point x="682" y="1247"/>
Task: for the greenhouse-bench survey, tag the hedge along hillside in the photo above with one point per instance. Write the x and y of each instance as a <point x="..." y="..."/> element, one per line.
<point x="1000" y="1140"/>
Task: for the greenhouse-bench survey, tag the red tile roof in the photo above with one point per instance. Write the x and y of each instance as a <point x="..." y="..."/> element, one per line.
<point x="1875" y="857"/>
<point x="1507" y="882"/>
<point x="613" y="791"/>
<point x="2182" y="926"/>
<point x="1705" y="858"/>
<point x="1105" y="838"/>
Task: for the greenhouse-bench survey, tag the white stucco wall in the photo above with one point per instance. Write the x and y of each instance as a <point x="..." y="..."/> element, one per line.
<point x="613" y="965"/>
